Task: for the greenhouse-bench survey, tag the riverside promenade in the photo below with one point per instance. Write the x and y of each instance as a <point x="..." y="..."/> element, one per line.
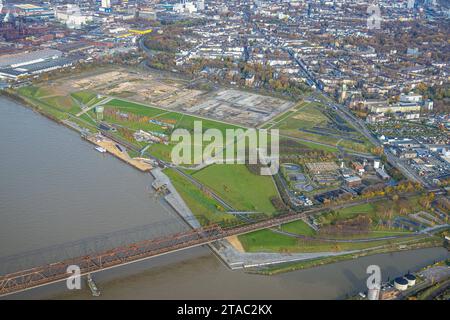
<point x="174" y="198"/>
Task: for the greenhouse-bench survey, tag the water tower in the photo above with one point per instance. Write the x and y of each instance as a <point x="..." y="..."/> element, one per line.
<point x="99" y="112"/>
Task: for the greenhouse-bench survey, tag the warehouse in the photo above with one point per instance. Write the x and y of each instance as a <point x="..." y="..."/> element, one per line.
<point x="25" y="58"/>
<point x="15" y="73"/>
<point x="31" y="10"/>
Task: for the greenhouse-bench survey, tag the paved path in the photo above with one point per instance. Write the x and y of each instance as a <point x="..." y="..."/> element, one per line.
<point x="239" y="260"/>
<point x="86" y="108"/>
<point x="174" y="199"/>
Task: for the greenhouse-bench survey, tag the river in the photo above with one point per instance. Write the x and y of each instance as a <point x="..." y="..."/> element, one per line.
<point x="55" y="188"/>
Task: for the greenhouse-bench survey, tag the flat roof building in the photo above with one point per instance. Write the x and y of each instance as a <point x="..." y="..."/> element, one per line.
<point x="34" y="68"/>
<point x="353" y="181"/>
<point x="24" y="58"/>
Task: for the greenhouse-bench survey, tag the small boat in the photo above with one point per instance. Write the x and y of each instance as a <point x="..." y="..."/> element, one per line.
<point x="93" y="286"/>
<point x="100" y="149"/>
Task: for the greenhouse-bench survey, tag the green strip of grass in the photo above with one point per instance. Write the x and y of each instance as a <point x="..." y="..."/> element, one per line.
<point x="135" y="108"/>
<point x="269" y="241"/>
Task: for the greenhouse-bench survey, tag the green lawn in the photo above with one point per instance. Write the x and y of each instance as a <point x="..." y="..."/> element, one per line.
<point x="205" y="208"/>
<point x="269" y="241"/>
<point x="301" y="228"/>
<point x="63" y="103"/>
<point x="177" y="119"/>
<point x="136" y="108"/>
<point x="84" y="96"/>
<point x="373" y="210"/>
<point x="239" y="187"/>
<point x="307" y="117"/>
<point x="182" y="121"/>
<point x="349" y="213"/>
<point x="298" y="227"/>
<point x="311" y="115"/>
<point x="48" y="102"/>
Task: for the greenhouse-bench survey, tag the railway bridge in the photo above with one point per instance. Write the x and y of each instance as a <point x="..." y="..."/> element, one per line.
<point x="126" y="254"/>
<point x="99" y="260"/>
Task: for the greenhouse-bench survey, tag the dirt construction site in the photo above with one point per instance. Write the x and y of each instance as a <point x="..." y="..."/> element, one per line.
<point x="240" y="107"/>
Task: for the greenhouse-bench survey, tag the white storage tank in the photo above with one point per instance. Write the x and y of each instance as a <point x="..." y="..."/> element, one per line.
<point x="401" y="284"/>
<point x="411" y="279"/>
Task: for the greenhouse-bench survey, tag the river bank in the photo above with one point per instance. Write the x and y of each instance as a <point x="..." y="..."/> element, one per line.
<point x="269" y="263"/>
<point x="311" y="263"/>
<point x="54" y="189"/>
<point x="108" y="144"/>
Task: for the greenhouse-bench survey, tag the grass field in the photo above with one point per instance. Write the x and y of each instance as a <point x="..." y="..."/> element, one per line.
<point x="239" y="187"/>
<point x="205" y="208"/>
<point x="135" y="108"/>
<point x="62" y="103"/>
<point x="373" y="210"/>
<point x="301" y="228"/>
<point x="298" y="227"/>
<point x="305" y="264"/>
<point x="48" y="102"/>
<point x="58" y="104"/>
<point x="309" y="116"/>
<point x="269" y="241"/>
<point x="84" y="96"/>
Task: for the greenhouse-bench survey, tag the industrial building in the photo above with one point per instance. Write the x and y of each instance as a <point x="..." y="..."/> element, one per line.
<point x="353" y="181"/>
<point x="30" y="63"/>
<point x="24" y="58"/>
<point x="31" y="10"/>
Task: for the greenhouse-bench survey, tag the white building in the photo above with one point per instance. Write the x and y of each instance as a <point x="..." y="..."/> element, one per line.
<point x="200" y="4"/>
<point x="411" y="98"/>
<point x="106" y="3"/>
<point x="72" y="17"/>
<point x="185" y="7"/>
<point x="398" y="107"/>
